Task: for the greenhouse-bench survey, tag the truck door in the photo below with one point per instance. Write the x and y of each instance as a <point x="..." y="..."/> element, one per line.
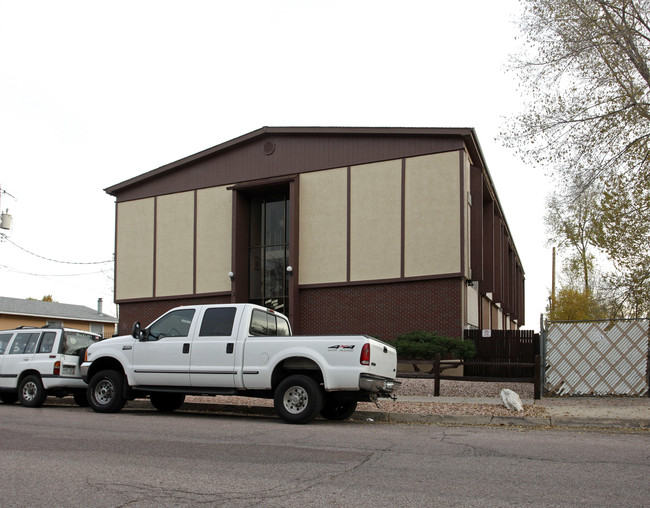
<point x="164" y="358"/>
<point x="213" y="349"/>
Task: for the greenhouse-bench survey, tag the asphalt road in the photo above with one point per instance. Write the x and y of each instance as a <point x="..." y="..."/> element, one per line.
<point x="67" y="456"/>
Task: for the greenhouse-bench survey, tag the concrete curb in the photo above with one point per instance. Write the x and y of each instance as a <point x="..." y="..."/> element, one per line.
<point x="409" y="418"/>
<point x="521" y="421"/>
<point x="497" y="421"/>
<point x="604" y="423"/>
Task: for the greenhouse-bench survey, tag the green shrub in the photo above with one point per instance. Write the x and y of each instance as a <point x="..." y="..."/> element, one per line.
<point x="421" y="345"/>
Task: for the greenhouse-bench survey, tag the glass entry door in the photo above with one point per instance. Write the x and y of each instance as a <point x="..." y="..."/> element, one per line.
<point x="269" y="251"/>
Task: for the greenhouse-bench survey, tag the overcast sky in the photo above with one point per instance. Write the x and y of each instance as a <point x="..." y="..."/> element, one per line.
<point x="94" y="93"/>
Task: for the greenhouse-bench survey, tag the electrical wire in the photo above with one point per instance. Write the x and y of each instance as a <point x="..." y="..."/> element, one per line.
<point x="52" y="275"/>
<point x="4" y="237"/>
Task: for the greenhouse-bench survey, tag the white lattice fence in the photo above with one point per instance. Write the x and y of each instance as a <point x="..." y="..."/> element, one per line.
<point x="597" y="358"/>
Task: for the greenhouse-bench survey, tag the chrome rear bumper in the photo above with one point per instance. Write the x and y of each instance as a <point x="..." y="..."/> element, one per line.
<point x="380" y="385"/>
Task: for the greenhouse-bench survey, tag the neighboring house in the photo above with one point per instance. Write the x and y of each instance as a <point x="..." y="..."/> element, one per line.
<point x="15" y="312"/>
<point x="346" y="230"/>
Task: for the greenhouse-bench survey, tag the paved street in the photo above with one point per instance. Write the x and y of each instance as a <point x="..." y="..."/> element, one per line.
<point x="59" y="455"/>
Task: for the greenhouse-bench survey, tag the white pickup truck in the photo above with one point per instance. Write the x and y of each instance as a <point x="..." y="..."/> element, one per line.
<point x="239" y="349"/>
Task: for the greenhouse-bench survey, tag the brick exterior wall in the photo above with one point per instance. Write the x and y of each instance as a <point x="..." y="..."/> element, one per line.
<point x="383" y="310"/>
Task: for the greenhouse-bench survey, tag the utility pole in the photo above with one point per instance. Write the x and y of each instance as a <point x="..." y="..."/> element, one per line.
<point x="5" y="218"/>
<point x="553" y="282"/>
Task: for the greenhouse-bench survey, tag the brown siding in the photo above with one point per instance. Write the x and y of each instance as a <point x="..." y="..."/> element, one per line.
<point x="292" y="154"/>
<point x="486" y="314"/>
<point x="487" y="281"/>
<point x="476" y="248"/>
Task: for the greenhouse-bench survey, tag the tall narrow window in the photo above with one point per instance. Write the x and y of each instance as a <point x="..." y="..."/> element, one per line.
<point x="269" y="251"/>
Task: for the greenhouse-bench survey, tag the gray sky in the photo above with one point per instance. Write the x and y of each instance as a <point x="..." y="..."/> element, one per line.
<point x="94" y="93"/>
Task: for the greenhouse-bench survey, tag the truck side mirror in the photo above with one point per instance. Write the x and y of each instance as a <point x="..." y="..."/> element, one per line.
<point x="136" y="333"/>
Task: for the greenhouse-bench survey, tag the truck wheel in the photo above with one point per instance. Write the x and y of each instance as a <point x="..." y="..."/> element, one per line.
<point x="298" y="399"/>
<point x="9" y="398"/>
<point x="167" y="402"/>
<point x="81" y="399"/>
<point x="105" y="392"/>
<point x="31" y="392"/>
<point x="337" y="409"/>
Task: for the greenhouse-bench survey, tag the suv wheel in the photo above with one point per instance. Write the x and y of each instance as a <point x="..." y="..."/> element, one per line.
<point x="105" y="391"/>
<point x="31" y="392"/>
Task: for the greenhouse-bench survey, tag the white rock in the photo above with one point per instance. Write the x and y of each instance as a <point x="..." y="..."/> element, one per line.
<point x="511" y="400"/>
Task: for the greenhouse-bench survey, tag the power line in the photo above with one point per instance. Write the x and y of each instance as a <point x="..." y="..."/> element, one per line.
<point x="4" y="237"/>
<point x="53" y="275"/>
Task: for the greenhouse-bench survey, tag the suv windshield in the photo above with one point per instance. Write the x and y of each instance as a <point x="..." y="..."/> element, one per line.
<point x="74" y="341"/>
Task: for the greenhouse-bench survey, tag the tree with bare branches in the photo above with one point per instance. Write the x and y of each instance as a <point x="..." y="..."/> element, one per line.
<point x="585" y="73"/>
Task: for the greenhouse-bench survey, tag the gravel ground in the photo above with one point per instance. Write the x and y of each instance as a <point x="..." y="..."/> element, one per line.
<point x="448" y="388"/>
<point x="425" y="387"/>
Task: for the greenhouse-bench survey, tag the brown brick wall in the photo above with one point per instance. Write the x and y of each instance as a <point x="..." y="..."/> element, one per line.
<point x="383" y="310"/>
<point x="147" y="312"/>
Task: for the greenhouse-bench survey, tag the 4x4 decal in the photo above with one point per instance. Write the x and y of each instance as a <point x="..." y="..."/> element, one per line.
<point x="341" y="347"/>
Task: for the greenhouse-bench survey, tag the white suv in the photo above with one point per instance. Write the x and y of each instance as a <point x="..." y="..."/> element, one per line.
<point x="37" y="362"/>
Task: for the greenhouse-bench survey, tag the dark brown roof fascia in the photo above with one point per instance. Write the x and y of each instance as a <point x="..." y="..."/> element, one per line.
<point x="181" y="162"/>
<point x="467" y="133"/>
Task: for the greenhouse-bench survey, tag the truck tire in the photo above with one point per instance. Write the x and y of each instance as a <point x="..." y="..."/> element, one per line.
<point x="167" y="402"/>
<point x="9" y="398"/>
<point x="338" y="409"/>
<point x="298" y="399"/>
<point x="105" y="391"/>
<point x="31" y="392"/>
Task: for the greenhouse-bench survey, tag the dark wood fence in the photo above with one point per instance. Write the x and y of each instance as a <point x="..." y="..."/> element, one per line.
<point x="438" y="367"/>
<point x="507" y="350"/>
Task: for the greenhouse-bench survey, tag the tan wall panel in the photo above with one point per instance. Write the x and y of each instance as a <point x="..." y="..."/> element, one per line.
<point x="323" y="226"/>
<point x="175" y="244"/>
<point x="376" y="224"/>
<point x="432" y="215"/>
<point x="473" y="306"/>
<point x="214" y="240"/>
<point x="134" y="249"/>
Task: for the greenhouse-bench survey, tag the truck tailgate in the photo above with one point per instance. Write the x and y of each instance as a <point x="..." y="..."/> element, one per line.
<point x="383" y="359"/>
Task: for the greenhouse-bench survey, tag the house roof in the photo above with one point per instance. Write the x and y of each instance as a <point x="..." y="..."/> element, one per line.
<point x="53" y="310"/>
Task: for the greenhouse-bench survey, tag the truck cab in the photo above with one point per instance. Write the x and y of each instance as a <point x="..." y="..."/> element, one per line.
<point x="238" y="349"/>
